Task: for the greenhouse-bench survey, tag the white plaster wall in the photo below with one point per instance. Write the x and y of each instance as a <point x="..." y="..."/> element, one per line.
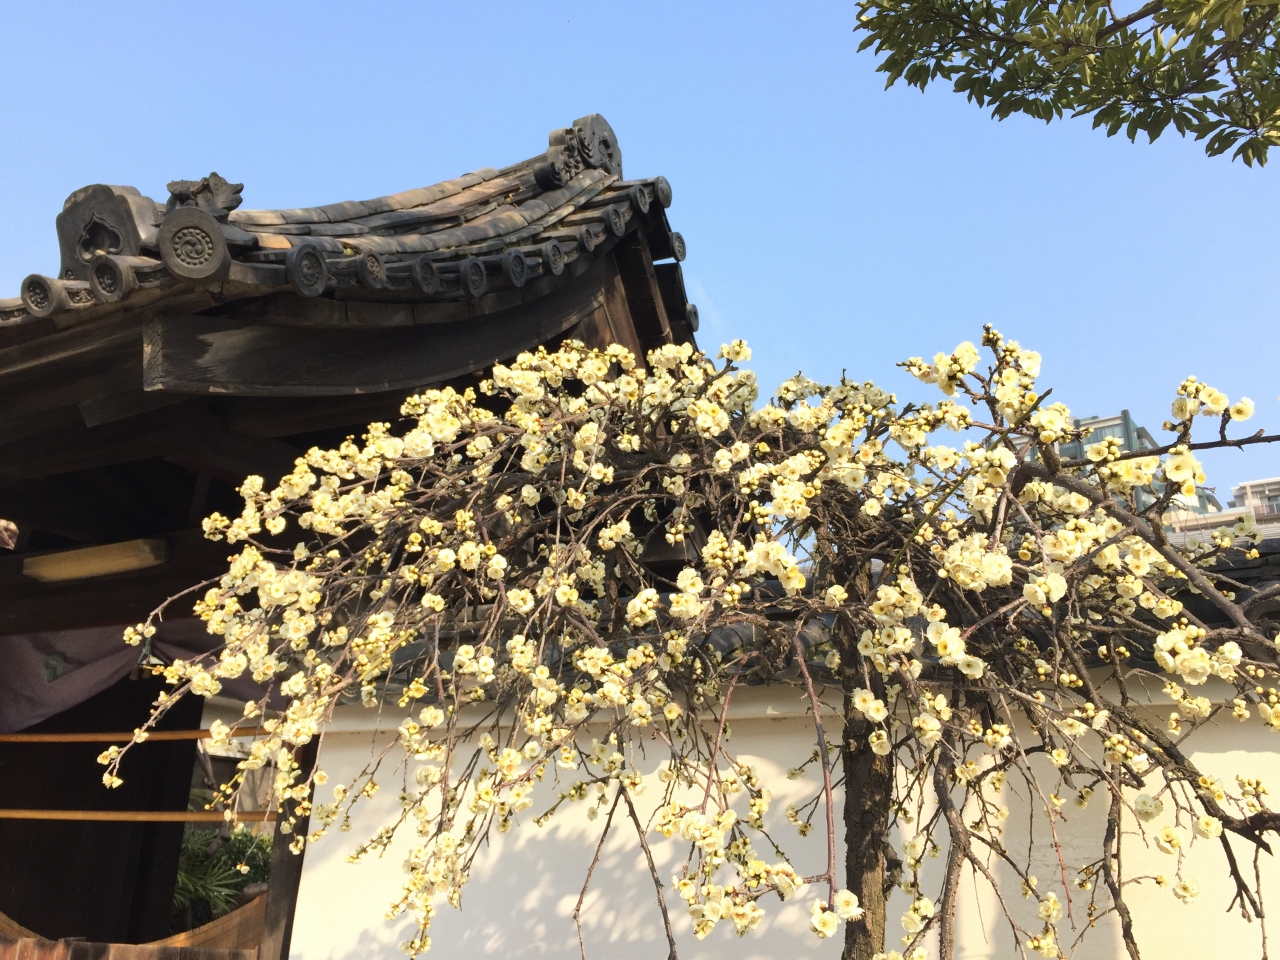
<point x="1166" y="928"/>
<point x="522" y="892"/>
<point x="521" y="896"/>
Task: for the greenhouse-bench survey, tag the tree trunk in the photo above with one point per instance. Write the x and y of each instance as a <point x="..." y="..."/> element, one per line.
<point x="871" y="869"/>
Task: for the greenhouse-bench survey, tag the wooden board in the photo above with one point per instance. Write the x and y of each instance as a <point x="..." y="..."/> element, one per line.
<point x="202" y="355"/>
<point x="241" y="929"/>
<point x="32" y="949"/>
<point x="182" y="433"/>
<point x="621" y="327"/>
<point x="13" y="930"/>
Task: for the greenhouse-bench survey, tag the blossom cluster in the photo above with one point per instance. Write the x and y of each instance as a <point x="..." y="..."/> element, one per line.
<point x="590" y="550"/>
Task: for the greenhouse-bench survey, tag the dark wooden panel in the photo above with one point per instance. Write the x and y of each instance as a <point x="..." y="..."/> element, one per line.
<point x="282" y="416"/>
<point x="203" y="445"/>
<point x="197" y="354"/>
<point x="123" y="405"/>
<point x="101" y="881"/>
<point x="13" y="429"/>
<point x="78" y="447"/>
<point x="90" y="519"/>
<point x="103" y="505"/>
<point x="660" y="234"/>
<point x="593" y="330"/>
<point x="183" y="433"/>
<point x="98" y="380"/>
<point x="92" y="603"/>
<point x="621" y="327"/>
<point x="25" y="361"/>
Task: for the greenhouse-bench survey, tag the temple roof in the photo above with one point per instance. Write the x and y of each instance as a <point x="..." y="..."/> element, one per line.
<point x="183" y="345"/>
<point x="456" y="240"/>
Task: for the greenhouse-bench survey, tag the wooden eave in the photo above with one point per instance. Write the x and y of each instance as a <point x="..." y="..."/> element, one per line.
<point x="135" y="392"/>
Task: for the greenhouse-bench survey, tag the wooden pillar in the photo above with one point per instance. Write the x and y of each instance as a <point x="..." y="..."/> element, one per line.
<point x="286" y="873"/>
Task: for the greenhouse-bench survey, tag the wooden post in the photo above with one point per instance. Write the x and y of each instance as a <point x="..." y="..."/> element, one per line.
<point x="644" y="298"/>
<point x="285" y="874"/>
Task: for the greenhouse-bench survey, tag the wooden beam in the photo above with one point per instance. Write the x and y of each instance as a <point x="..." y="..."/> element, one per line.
<point x="157" y="736"/>
<point x="13" y="429"/>
<point x="25" y="361"/>
<point x="138" y="816"/>
<point x="671" y="284"/>
<point x="114" y="374"/>
<point x="203" y="445"/>
<point x="201" y="355"/>
<point x="661" y="237"/>
<point x="593" y="330"/>
<point x="281" y="416"/>
<point x="123" y="405"/>
<point x="185" y="434"/>
<point x="59" y="509"/>
<point x="79" y="447"/>
<point x="109" y="599"/>
<point x="27" y="605"/>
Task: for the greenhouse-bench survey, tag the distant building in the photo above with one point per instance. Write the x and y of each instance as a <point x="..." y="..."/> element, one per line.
<point x="1259" y="499"/>
<point x="1262" y="497"/>
<point x="1134" y="438"/>
<point x="1187" y="517"/>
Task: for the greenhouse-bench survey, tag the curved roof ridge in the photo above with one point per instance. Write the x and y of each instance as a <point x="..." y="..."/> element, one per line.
<point x="453" y="240"/>
<point x="350" y="210"/>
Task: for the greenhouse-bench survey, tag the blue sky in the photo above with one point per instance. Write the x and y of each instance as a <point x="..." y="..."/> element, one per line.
<point x="833" y="224"/>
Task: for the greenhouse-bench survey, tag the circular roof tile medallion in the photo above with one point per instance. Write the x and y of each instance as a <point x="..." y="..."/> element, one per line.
<point x="640" y="197"/>
<point x="110" y="280"/>
<point x="552" y="258"/>
<point x="192" y="246"/>
<point x="307" y="269"/>
<point x="515" y="267"/>
<point x="43" y="297"/>
<point x="617" y="222"/>
<point x="372" y="270"/>
<point x="472" y="278"/>
<point x="662" y="192"/>
<point x="426" y="276"/>
<point x="678" y="249"/>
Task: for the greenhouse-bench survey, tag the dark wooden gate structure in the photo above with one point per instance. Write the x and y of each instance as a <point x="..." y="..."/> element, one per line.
<point x="185" y="344"/>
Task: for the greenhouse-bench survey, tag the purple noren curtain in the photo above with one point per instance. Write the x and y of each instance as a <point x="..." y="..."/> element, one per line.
<point x="42" y="674"/>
